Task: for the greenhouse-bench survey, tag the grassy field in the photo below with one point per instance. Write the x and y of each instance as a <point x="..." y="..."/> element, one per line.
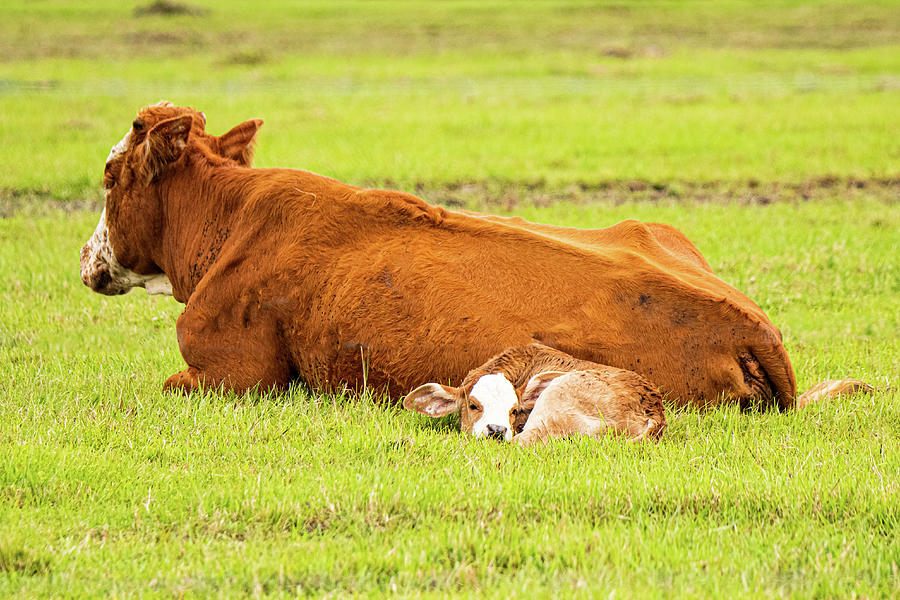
<point x="452" y="92"/>
<point x="767" y="132"/>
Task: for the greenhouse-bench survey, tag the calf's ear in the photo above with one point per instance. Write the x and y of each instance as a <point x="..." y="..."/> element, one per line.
<point x="535" y="386"/>
<point x="432" y="400"/>
<point x="239" y="143"/>
<point x="164" y="145"/>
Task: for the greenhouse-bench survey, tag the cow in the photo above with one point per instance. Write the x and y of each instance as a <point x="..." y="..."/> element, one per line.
<point x="539" y="393"/>
<point x="287" y="274"/>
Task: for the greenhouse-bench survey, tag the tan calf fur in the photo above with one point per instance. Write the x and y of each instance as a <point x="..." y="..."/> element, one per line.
<point x="593" y="402"/>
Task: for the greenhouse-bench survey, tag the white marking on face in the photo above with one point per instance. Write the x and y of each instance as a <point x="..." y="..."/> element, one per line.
<point x="99" y="267"/>
<point x="120" y="148"/>
<point x="97" y="258"/>
<point x="497" y="397"/>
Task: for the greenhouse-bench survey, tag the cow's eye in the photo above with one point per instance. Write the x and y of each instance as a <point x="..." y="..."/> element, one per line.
<point x="473" y="406"/>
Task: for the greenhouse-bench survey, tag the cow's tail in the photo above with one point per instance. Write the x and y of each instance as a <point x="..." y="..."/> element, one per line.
<point x="776" y="369"/>
<point x="831" y="388"/>
<point x="777" y="366"/>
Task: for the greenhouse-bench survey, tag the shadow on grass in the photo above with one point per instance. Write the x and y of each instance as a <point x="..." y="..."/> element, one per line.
<point x="15" y="558"/>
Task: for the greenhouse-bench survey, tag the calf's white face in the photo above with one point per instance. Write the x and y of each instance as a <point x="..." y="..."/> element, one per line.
<point x="485" y="411"/>
<point x="497" y="398"/>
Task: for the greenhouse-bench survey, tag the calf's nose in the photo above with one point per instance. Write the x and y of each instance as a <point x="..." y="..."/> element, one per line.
<point x="497" y="432"/>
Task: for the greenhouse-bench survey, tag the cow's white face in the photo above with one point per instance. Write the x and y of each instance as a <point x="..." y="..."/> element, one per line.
<point x="100" y="270"/>
<point x="126" y="250"/>
<point x="495" y="397"/>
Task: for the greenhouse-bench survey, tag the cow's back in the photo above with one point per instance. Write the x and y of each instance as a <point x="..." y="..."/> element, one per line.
<point x="414" y="295"/>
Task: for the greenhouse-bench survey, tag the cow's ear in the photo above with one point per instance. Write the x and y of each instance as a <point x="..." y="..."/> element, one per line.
<point x="239" y="143"/>
<point x="432" y="400"/>
<point x="535" y="386"/>
<point x="164" y="145"/>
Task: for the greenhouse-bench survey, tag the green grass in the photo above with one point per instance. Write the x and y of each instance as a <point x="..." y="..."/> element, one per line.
<point x="767" y="133"/>
<point x="109" y="487"/>
<point x="440" y="93"/>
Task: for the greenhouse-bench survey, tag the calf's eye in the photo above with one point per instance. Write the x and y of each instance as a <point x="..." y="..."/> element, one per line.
<point x="473" y="407"/>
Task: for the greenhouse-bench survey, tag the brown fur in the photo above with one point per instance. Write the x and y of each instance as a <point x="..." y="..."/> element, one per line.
<point x="238" y="144"/>
<point x="667" y="236"/>
<point x="290" y="274"/>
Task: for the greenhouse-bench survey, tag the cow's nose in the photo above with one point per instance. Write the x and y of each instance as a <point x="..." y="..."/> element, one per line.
<point x="496" y="431"/>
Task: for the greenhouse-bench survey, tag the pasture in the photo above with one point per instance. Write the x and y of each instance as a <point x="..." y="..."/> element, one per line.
<point x="766" y="132"/>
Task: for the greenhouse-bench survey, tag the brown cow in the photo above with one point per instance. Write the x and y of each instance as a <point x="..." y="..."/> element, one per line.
<point x="290" y="274"/>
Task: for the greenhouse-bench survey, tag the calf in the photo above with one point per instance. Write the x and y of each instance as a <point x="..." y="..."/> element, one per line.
<point x="543" y="393"/>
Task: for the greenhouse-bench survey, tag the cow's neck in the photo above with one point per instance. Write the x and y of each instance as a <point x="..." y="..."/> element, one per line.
<point x="200" y="212"/>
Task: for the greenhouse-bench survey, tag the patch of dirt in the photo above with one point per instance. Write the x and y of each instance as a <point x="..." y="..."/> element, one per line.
<point x="40" y="203"/>
<point x="247" y="58"/>
<point x="617" y="52"/>
<point x="169" y="8"/>
<point x="507" y="195"/>
<point x="163" y="38"/>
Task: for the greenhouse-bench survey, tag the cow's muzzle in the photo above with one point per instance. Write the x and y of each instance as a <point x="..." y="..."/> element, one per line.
<point x="95" y="273"/>
<point x="100" y="270"/>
